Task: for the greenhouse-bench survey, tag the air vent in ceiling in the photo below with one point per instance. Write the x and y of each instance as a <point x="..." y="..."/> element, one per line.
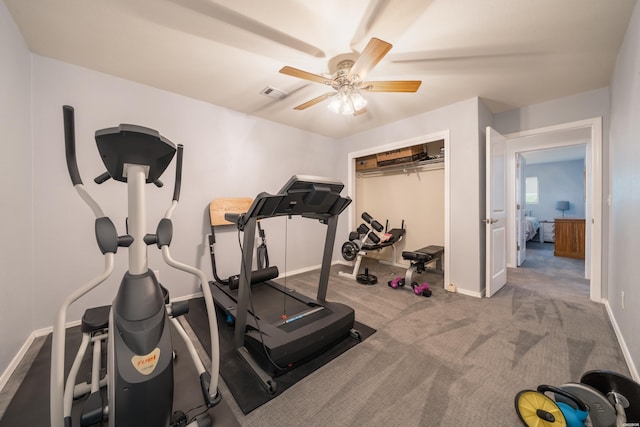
<point x="274" y="93"/>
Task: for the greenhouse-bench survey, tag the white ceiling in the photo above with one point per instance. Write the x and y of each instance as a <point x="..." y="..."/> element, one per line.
<point x="511" y="53"/>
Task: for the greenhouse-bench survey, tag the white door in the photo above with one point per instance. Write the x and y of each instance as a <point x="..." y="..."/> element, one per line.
<point x="496" y="250"/>
<point x="521" y="203"/>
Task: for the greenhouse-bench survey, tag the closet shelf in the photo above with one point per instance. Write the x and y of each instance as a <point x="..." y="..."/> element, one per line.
<point x="409" y="167"/>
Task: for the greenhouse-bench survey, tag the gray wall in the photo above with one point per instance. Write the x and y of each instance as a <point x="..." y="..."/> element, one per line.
<point x="226" y="154"/>
<point x="624" y="237"/>
<point x="16" y="250"/>
<point x="558" y="181"/>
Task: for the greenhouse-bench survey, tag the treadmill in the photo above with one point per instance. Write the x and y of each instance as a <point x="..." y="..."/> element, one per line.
<point x="269" y="344"/>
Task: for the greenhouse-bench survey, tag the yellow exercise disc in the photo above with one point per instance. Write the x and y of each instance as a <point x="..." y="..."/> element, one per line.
<point x="535" y="409"/>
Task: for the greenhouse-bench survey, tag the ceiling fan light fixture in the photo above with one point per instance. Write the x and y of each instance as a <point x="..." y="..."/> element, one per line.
<point x="348" y="72"/>
<point x="358" y="101"/>
<point x="336" y="105"/>
<point x="347" y="101"/>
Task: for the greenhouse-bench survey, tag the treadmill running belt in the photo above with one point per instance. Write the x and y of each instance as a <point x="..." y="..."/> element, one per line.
<point x="269" y="305"/>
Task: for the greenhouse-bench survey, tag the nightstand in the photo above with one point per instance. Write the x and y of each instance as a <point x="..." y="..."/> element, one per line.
<point x="547" y="232"/>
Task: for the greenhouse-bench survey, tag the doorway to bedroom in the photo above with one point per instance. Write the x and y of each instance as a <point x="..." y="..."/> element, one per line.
<point x="552" y="182"/>
<point x="552" y="193"/>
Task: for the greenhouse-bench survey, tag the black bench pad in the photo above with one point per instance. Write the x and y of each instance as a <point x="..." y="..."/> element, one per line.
<point x="396" y="234"/>
<point x="425" y="254"/>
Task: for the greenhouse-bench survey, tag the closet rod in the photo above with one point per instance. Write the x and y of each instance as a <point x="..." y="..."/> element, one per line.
<point x="431" y="164"/>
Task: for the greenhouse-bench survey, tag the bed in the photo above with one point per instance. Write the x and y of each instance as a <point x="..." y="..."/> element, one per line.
<point x="531" y="228"/>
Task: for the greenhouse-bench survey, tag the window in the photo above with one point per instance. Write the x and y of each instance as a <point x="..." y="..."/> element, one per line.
<point x="531" y="183"/>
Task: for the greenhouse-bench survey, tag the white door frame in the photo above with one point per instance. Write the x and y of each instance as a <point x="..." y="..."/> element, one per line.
<point x="351" y="181"/>
<point x="593" y="211"/>
<point x="520" y="204"/>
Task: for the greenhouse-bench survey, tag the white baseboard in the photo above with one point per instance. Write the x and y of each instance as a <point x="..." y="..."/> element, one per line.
<point x="46" y="331"/>
<point x="299" y="271"/>
<point x="623" y="345"/>
<point x="469" y="293"/>
<point x="393" y="263"/>
<point x="4" y="378"/>
<point x="187" y="297"/>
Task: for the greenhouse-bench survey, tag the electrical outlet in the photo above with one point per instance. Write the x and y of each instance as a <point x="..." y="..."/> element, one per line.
<point x="622" y="299"/>
<point x="451" y="287"/>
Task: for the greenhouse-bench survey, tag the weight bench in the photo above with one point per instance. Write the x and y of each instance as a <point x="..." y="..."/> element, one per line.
<point x="364" y="240"/>
<point x="421" y="258"/>
<point x="396" y="234"/>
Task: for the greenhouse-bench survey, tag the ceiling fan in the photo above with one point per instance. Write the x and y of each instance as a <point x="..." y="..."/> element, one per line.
<point x="347" y="80"/>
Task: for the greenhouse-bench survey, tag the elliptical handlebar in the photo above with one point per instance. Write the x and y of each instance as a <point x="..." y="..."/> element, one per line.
<point x="72" y="163"/>
<point x="208" y="380"/>
<point x="178" y="181"/>
<point x="70" y="144"/>
<point x="177" y="184"/>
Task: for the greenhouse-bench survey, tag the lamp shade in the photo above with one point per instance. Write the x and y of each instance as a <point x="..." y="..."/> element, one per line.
<point x="347" y="101"/>
<point x="562" y="205"/>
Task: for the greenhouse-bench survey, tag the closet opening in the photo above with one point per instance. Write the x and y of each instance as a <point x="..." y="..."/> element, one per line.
<point x="404" y="184"/>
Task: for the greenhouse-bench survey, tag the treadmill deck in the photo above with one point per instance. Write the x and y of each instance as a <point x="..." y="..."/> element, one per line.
<point x="310" y="326"/>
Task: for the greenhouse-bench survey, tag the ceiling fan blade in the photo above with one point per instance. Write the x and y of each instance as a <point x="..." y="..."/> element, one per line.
<point x="392" y="86"/>
<point x="294" y="72"/>
<point x="360" y="111"/>
<point x="463" y="54"/>
<point x="375" y="50"/>
<point x="388" y="19"/>
<point x="314" y="101"/>
<point x="373" y="13"/>
<point x="243" y="22"/>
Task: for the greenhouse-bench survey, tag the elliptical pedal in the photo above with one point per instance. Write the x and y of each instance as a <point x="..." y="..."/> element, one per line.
<point x="94" y="321"/>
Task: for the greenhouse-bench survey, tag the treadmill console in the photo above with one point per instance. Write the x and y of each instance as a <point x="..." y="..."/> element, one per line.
<point x="304" y="195"/>
<point x="309" y="182"/>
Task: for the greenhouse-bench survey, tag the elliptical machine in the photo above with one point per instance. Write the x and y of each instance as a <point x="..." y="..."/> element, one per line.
<point x="140" y="355"/>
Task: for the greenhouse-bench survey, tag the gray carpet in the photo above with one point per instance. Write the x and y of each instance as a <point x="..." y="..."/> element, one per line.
<point x="452" y="360"/>
<point x="448" y="360"/>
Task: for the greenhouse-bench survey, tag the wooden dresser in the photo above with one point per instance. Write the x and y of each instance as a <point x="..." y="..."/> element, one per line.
<point x="570" y="237"/>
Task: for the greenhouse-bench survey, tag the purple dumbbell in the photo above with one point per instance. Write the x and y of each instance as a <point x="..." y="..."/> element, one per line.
<point x="422" y="289"/>
<point x="397" y="282"/>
